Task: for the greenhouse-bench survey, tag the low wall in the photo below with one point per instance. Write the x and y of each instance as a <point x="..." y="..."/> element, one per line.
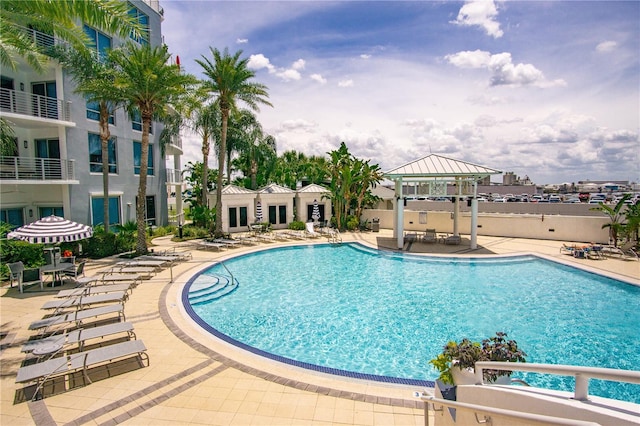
<point x="537" y="226"/>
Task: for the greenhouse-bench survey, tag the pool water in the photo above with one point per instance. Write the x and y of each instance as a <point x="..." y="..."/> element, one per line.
<point x="378" y="313"/>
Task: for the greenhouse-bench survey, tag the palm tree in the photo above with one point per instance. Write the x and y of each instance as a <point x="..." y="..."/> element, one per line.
<point x="616" y="217"/>
<point x="94" y="77"/>
<point x="229" y="82"/>
<point x="206" y="123"/>
<point x="149" y="84"/>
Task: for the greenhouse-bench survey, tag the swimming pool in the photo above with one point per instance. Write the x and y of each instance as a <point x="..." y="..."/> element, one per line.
<point x="380" y="315"/>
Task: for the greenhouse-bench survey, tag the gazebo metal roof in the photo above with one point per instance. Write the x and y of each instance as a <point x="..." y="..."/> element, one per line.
<point x="437" y="166"/>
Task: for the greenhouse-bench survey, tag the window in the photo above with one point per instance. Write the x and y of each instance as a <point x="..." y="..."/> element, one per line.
<point x="7" y="98"/>
<point x="49" y="211"/>
<point x="97" y="211"/>
<point x="47" y="148"/>
<point x="95" y="154"/>
<point x="137" y="154"/>
<point x="136" y="122"/>
<point x="45" y="105"/>
<point x="93" y="112"/>
<point x="233" y="217"/>
<point x="278" y="214"/>
<point x="100" y="41"/>
<point x="282" y="210"/>
<point x="238" y="216"/>
<point x="143" y="20"/>
<point x="13" y="217"/>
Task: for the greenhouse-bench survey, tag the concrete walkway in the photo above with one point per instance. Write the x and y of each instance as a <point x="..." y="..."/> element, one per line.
<point x="196" y="379"/>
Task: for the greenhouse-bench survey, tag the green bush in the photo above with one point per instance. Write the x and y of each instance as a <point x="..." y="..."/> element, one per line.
<point x="31" y="255"/>
<point x="297" y="225"/>
<point x="101" y="245"/>
<point x="352" y="223"/>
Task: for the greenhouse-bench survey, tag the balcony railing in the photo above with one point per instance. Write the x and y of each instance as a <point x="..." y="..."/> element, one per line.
<point x="174" y="177"/>
<point x="31" y="168"/>
<point x="155" y="5"/>
<point x="34" y="105"/>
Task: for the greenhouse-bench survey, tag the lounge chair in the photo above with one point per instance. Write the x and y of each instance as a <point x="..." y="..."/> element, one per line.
<point x="206" y="245"/>
<point x="145" y="272"/>
<point x="93" y="290"/>
<point x="79" y="302"/>
<point x="77" y="317"/>
<point x="228" y="242"/>
<point x="310" y="231"/>
<point x="568" y="249"/>
<point x="23" y="277"/>
<point x="80" y="361"/>
<point x="625" y="252"/>
<point x="453" y="239"/>
<point x="430" y="236"/>
<point x="80" y="336"/>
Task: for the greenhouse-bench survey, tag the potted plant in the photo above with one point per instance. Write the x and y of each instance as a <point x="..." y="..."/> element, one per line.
<point x="457" y="361"/>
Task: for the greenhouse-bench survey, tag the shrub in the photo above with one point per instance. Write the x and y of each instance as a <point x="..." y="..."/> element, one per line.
<point x="352" y="223"/>
<point x="297" y="225"/>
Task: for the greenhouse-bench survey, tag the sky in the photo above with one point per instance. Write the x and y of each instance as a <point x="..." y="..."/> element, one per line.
<point x="544" y="89"/>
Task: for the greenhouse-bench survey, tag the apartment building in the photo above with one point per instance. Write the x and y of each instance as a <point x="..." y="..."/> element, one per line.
<point x="56" y="167"/>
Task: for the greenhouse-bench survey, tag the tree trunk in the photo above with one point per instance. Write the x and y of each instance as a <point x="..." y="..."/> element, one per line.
<point x="221" y="156"/>
<point x="205" y="168"/>
<point x="141" y="245"/>
<point x="104" y="148"/>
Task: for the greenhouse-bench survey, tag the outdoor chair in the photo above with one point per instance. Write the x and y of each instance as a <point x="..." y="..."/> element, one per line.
<point x="310" y="231"/>
<point x="77" y="317"/>
<point x="74" y="271"/>
<point x="80" y="336"/>
<point x="430" y="236"/>
<point x="453" y="240"/>
<point x="80" y="302"/>
<point x="23" y="276"/>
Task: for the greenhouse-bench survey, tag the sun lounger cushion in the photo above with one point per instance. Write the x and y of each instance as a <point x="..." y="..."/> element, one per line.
<point x="90" y="291"/>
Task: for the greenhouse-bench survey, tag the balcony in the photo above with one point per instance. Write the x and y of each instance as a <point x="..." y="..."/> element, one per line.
<point x="174" y="177"/>
<point x="27" y="105"/>
<point x="46" y="170"/>
<point x="155" y="5"/>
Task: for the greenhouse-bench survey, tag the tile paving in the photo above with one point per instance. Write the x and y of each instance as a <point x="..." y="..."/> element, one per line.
<point x="195" y="379"/>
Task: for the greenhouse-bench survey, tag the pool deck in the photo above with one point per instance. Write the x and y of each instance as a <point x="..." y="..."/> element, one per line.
<point x="193" y="378"/>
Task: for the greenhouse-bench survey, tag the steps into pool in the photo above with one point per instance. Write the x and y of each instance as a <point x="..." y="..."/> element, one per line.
<point x="215" y="287"/>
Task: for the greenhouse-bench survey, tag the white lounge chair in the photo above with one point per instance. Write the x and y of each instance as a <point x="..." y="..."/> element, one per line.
<point x="206" y="245"/>
<point x="80" y="361"/>
<point x="430" y="236"/>
<point x="310" y="231"/>
<point x="77" y="318"/>
<point x="80" y="336"/>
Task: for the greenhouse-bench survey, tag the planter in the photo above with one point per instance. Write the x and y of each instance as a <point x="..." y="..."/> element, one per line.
<point x="467" y="376"/>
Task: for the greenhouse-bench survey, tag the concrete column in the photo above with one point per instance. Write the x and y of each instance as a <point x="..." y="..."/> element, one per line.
<point x="399" y="216"/>
<point x="474" y="217"/>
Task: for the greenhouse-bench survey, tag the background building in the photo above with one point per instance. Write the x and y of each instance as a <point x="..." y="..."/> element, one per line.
<point x="57" y="164"/>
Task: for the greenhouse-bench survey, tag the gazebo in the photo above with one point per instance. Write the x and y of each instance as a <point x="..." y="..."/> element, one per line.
<point x="436" y="172"/>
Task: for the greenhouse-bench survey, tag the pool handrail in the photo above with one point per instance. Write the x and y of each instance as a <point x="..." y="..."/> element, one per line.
<point x="581" y="374"/>
<point x="233" y="280"/>
<point x="487" y="412"/>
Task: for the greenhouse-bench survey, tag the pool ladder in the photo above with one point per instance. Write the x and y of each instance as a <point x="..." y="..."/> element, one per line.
<point x="334" y="236"/>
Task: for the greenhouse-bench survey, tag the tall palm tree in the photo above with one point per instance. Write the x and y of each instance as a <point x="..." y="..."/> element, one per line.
<point x="94" y="77"/>
<point x="206" y="122"/>
<point x="229" y="82"/>
<point x="148" y="84"/>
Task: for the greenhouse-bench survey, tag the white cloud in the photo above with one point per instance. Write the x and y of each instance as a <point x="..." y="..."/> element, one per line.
<point x="298" y="65"/>
<point x="289" y="75"/>
<point x="345" y="83"/>
<point x="480" y="13"/>
<point x="365" y="56"/>
<point x="606" y="46"/>
<point x="503" y="71"/>
<point x="298" y="125"/>
<point x="260" y="61"/>
<point x="242" y="40"/>
<point x="319" y="78"/>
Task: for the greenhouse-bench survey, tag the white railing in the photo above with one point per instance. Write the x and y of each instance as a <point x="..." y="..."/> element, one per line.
<point x="174" y="177"/>
<point x="34" y="105"/>
<point x="484" y="414"/>
<point x="176" y="141"/>
<point x="582" y="374"/>
<point x="155" y="5"/>
<point x="31" y="168"/>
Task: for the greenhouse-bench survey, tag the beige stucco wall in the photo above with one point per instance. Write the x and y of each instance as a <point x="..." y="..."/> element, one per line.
<point x="538" y="226"/>
<point x="277" y="199"/>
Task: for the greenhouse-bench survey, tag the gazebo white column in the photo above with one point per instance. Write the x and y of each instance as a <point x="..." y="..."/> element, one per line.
<point x="456" y="207"/>
<point x="474" y="217"/>
<point x="399" y="216"/>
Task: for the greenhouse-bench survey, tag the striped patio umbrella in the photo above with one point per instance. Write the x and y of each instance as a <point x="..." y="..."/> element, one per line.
<point x="315" y="213"/>
<point x="259" y="212"/>
<point x="52" y="229"/>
